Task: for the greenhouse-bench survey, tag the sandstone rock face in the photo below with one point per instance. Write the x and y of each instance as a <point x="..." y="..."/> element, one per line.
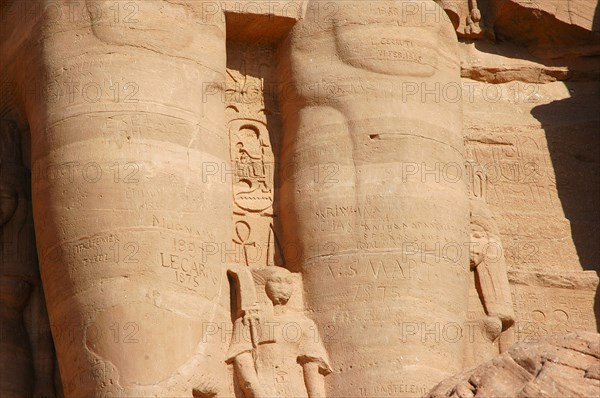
<point x="559" y="366"/>
<point x="552" y="28"/>
<point x="295" y="199"/>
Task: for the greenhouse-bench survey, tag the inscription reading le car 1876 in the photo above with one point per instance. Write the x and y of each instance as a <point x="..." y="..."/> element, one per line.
<point x="187" y="271"/>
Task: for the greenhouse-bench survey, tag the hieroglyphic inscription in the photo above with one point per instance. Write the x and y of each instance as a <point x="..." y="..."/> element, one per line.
<point x="543" y="311"/>
<point x="253" y="124"/>
<point x="516" y="166"/>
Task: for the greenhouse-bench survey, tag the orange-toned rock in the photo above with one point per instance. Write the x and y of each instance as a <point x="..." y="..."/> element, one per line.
<point x="550" y="28"/>
<point x="558" y="366"/>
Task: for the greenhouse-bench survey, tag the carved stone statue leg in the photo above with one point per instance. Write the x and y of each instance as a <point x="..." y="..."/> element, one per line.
<point x="38" y="328"/>
<point x="376" y="214"/>
<point x="16" y="364"/>
<point x="314" y="382"/>
<point x="26" y="353"/>
<point x="132" y="211"/>
<point x="247" y="377"/>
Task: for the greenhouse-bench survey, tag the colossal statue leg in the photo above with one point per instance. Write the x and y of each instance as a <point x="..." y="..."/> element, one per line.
<point x="16" y="364"/>
<point x="376" y="210"/>
<point x="26" y="359"/>
<point x="129" y="232"/>
<point x="374" y="215"/>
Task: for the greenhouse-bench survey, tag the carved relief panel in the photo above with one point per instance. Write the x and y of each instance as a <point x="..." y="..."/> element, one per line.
<point x="253" y="126"/>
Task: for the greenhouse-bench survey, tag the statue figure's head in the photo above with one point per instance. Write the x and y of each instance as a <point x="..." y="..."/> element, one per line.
<point x="279" y="286"/>
<point x="478" y="245"/>
<point x="484" y="235"/>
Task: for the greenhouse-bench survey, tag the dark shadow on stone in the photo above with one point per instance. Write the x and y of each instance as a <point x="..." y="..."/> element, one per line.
<point x="572" y="129"/>
<point x="596" y="22"/>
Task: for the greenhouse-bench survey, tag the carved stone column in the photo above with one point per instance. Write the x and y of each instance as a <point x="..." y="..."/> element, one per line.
<point x="376" y="212"/>
<point x="26" y="357"/>
<point x="133" y="211"/>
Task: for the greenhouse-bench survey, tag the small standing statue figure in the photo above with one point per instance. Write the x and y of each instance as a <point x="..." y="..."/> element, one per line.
<point x="490" y="304"/>
<point x="26" y="352"/>
<point x="466" y="16"/>
<point x="284" y="357"/>
<point x="473" y="28"/>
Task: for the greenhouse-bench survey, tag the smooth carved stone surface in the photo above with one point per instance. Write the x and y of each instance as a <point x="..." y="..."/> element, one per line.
<point x="558" y="366"/>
